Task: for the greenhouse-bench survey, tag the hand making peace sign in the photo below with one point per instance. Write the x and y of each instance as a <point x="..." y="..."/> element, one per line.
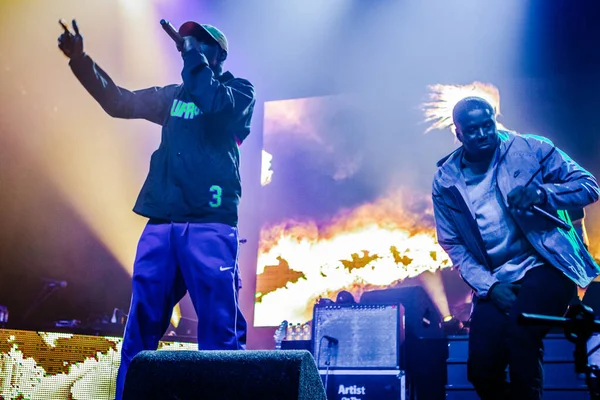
<point x="71" y="45"/>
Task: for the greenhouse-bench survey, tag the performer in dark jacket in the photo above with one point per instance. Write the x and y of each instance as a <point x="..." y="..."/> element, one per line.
<point x="191" y="193"/>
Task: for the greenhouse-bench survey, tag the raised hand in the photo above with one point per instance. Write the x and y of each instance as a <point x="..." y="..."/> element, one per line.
<point x="70" y="44"/>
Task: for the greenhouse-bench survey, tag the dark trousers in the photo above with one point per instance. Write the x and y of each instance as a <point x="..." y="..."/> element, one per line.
<point x="173" y="258"/>
<point x="496" y="340"/>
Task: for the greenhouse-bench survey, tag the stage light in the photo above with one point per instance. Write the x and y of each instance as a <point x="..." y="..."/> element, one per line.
<point x="3" y="316"/>
<point x="443" y="98"/>
<point x="434" y="286"/>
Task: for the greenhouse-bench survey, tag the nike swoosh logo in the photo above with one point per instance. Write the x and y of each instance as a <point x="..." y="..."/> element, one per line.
<point x="225" y="269"/>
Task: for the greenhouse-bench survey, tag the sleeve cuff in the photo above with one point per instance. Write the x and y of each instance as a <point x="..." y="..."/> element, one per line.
<point x="484" y="293"/>
<point x="491" y="288"/>
<point x="75" y="61"/>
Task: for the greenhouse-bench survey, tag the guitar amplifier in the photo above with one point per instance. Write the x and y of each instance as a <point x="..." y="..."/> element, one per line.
<point x="358" y="336"/>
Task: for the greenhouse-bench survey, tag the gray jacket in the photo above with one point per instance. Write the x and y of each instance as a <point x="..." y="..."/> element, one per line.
<point x="524" y="160"/>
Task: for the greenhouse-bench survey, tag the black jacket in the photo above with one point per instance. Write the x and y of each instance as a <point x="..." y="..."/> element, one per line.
<point x="194" y="173"/>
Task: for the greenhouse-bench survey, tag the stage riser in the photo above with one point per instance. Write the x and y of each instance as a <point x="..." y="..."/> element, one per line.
<point x="548" y="395"/>
<point x="556" y="376"/>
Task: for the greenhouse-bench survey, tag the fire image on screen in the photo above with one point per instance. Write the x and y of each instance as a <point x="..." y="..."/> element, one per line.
<point x="332" y="218"/>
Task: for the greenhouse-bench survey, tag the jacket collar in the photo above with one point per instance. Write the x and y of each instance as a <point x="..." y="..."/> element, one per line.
<point x="449" y="167"/>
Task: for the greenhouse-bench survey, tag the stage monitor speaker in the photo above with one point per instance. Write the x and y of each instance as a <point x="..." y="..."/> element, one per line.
<point x="223" y="374"/>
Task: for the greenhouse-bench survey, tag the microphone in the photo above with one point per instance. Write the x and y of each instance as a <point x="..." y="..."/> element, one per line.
<point x="331" y="339"/>
<point x="172" y="32"/>
<point x="561" y="224"/>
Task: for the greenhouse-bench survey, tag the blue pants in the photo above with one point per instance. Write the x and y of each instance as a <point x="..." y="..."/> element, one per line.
<point x="173" y="258"/>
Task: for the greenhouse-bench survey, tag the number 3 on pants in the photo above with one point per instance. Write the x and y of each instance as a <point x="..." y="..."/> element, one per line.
<point x="217" y="193"/>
